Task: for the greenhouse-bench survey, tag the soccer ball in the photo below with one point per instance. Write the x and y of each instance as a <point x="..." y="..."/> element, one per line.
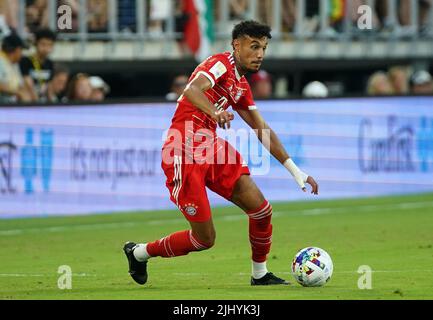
<point x="312" y="267"/>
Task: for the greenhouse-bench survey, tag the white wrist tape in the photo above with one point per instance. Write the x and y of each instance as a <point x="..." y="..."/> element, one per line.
<point x="300" y="177"/>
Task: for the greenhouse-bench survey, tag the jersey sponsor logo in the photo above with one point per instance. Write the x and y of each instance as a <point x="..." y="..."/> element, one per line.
<point x="218" y="70"/>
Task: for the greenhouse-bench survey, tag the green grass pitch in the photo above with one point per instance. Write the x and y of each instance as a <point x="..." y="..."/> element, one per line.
<point x="392" y="235"/>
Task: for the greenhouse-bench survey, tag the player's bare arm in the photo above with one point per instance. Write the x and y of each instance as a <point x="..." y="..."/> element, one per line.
<point x="194" y="92"/>
<point x="30" y="88"/>
<point x="255" y="120"/>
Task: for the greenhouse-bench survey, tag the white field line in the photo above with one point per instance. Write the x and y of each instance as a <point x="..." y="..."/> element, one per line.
<point x="200" y="274"/>
<point x="368" y="208"/>
<point x="289" y="273"/>
<point x="276" y="214"/>
<point x="43" y="275"/>
<point x="95" y="226"/>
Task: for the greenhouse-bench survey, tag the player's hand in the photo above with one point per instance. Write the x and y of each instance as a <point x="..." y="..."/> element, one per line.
<point x="313" y="184"/>
<point x="223" y="119"/>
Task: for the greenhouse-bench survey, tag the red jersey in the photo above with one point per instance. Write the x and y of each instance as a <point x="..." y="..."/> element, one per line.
<point x="193" y="157"/>
<point x="228" y="89"/>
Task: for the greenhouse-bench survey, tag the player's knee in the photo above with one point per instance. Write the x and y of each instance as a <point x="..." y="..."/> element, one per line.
<point x="264" y="212"/>
<point x="271" y="210"/>
<point x="207" y="239"/>
<point x="210" y="240"/>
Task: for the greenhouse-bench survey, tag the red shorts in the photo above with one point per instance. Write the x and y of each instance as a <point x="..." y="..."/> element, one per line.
<point x="187" y="182"/>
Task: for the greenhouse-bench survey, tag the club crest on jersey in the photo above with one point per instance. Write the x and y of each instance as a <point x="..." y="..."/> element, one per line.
<point x="238" y="95"/>
<point x="191" y="209"/>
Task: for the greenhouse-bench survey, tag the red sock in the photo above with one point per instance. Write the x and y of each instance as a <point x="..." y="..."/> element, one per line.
<point x="176" y="244"/>
<point x="260" y="231"/>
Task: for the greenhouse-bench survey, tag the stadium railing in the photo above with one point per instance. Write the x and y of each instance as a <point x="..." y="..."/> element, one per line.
<point x="311" y="42"/>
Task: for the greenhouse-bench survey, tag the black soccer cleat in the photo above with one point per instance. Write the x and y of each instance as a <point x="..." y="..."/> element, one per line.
<point x="137" y="269"/>
<point x="268" y="279"/>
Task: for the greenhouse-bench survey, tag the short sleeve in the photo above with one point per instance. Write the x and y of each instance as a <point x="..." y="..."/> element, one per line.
<point x="50" y="68"/>
<point x="25" y="66"/>
<point x="247" y="101"/>
<point x="3" y="72"/>
<point x="215" y="68"/>
<point x="19" y="76"/>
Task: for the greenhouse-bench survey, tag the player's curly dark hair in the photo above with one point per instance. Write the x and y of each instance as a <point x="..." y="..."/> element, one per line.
<point x="251" y="28"/>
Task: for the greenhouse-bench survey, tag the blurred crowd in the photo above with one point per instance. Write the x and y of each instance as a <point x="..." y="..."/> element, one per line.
<point x="400" y="80"/>
<point x="36" y="78"/>
<point x="159" y="11"/>
<point x="382" y="20"/>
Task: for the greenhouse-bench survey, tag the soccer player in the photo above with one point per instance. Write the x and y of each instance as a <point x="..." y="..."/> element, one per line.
<point x="217" y="83"/>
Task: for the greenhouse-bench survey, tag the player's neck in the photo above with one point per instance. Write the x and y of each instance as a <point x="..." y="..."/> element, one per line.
<point x="39" y="57"/>
<point x="240" y="71"/>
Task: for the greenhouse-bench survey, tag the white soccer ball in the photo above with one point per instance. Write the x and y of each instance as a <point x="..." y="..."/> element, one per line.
<point x="312" y="267"/>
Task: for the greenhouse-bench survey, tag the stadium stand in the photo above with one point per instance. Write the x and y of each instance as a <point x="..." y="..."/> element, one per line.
<point x="323" y="40"/>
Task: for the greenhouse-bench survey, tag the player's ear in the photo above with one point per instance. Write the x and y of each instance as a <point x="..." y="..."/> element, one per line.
<point x="236" y="43"/>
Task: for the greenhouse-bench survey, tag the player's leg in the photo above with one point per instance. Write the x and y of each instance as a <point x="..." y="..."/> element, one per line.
<point x="232" y="181"/>
<point x="189" y="194"/>
<point x="200" y="237"/>
<point x="249" y="198"/>
<point x="204" y="232"/>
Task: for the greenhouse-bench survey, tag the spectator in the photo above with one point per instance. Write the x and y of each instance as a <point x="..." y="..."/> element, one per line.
<point x="159" y="13"/>
<point x="238" y="10"/>
<point x="57" y="85"/>
<point x="97" y="15"/>
<point x="315" y="89"/>
<point x="265" y="12"/>
<point x="421" y="82"/>
<point x="379" y="84"/>
<point x="261" y="85"/>
<point x="289" y="15"/>
<point x="99" y="88"/>
<point x="79" y="88"/>
<point x="11" y="82"/>
<point x="405" y="11"/>
<point x="36" y="14"/>
<point x="426" y="7"/>
<point x="8" y="16"/>
<point x="399" y="78"/>
<point x="178" y="85"/>
<point x="127" y="16"/>
<point x="37" y="69"/>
